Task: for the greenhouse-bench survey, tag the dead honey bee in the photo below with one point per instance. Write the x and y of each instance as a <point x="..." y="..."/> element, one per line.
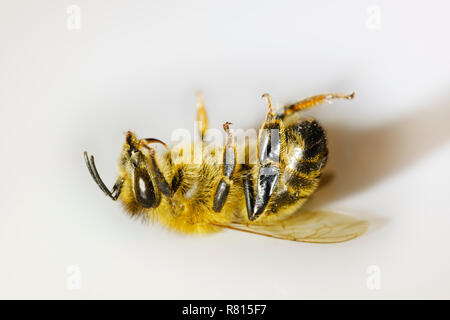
<point x="262" y="198"/>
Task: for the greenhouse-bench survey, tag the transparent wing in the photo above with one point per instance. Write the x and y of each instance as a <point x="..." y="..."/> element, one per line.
<point x="318" y="226"/>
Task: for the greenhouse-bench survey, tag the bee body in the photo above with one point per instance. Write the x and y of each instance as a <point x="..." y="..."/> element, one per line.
<point x="209" y="195"/>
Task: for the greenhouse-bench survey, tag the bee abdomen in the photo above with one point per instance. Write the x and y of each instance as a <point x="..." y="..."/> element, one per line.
<point x="307" y="154"/>
<point x="313" y="137"/>
<point x="297" y="180"/>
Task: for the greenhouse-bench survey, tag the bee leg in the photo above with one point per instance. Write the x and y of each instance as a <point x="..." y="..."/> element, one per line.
<point x="269" y="145"/>
<point x="249" y="193"/>
<point x="311" y="102"/>
<point x="202" y="117"/>
<point x="158" y="176"/>
<point x="229" y="164"/>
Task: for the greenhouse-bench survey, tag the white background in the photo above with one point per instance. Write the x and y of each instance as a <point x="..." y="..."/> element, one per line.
<point x="137" y="64"/>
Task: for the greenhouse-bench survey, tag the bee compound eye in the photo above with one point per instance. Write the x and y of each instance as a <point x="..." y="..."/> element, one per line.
<point x="144" y="190"/>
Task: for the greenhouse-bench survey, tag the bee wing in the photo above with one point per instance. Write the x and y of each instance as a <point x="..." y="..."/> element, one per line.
<point x="309" y="226"/>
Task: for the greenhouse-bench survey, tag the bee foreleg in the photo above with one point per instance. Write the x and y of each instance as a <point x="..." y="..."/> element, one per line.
<point x="202" y="117"/>
<point x="311" y="102"/>
<point x="159" y="177"/>
<point x="229" y="164"/>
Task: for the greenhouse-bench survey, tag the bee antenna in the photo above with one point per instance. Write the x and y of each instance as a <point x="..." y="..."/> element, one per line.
<point x="115" y="192"/>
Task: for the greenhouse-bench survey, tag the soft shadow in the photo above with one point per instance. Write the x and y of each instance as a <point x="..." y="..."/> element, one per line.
<point x="360" y="158"/>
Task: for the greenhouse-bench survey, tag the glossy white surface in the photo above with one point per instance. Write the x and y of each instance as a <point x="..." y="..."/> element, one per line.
<point x="137" y="66"/>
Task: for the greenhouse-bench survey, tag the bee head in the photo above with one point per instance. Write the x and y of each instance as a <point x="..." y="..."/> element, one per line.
<point x="133" y="155"/>
<point x="137" y="185"/>
<point x="136" y="167"/>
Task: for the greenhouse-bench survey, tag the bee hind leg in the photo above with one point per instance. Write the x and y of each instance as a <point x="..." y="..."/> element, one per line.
<point x="229" y="164"/>
<point x="269" y="145"/>
<point x="312" y="102"/>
